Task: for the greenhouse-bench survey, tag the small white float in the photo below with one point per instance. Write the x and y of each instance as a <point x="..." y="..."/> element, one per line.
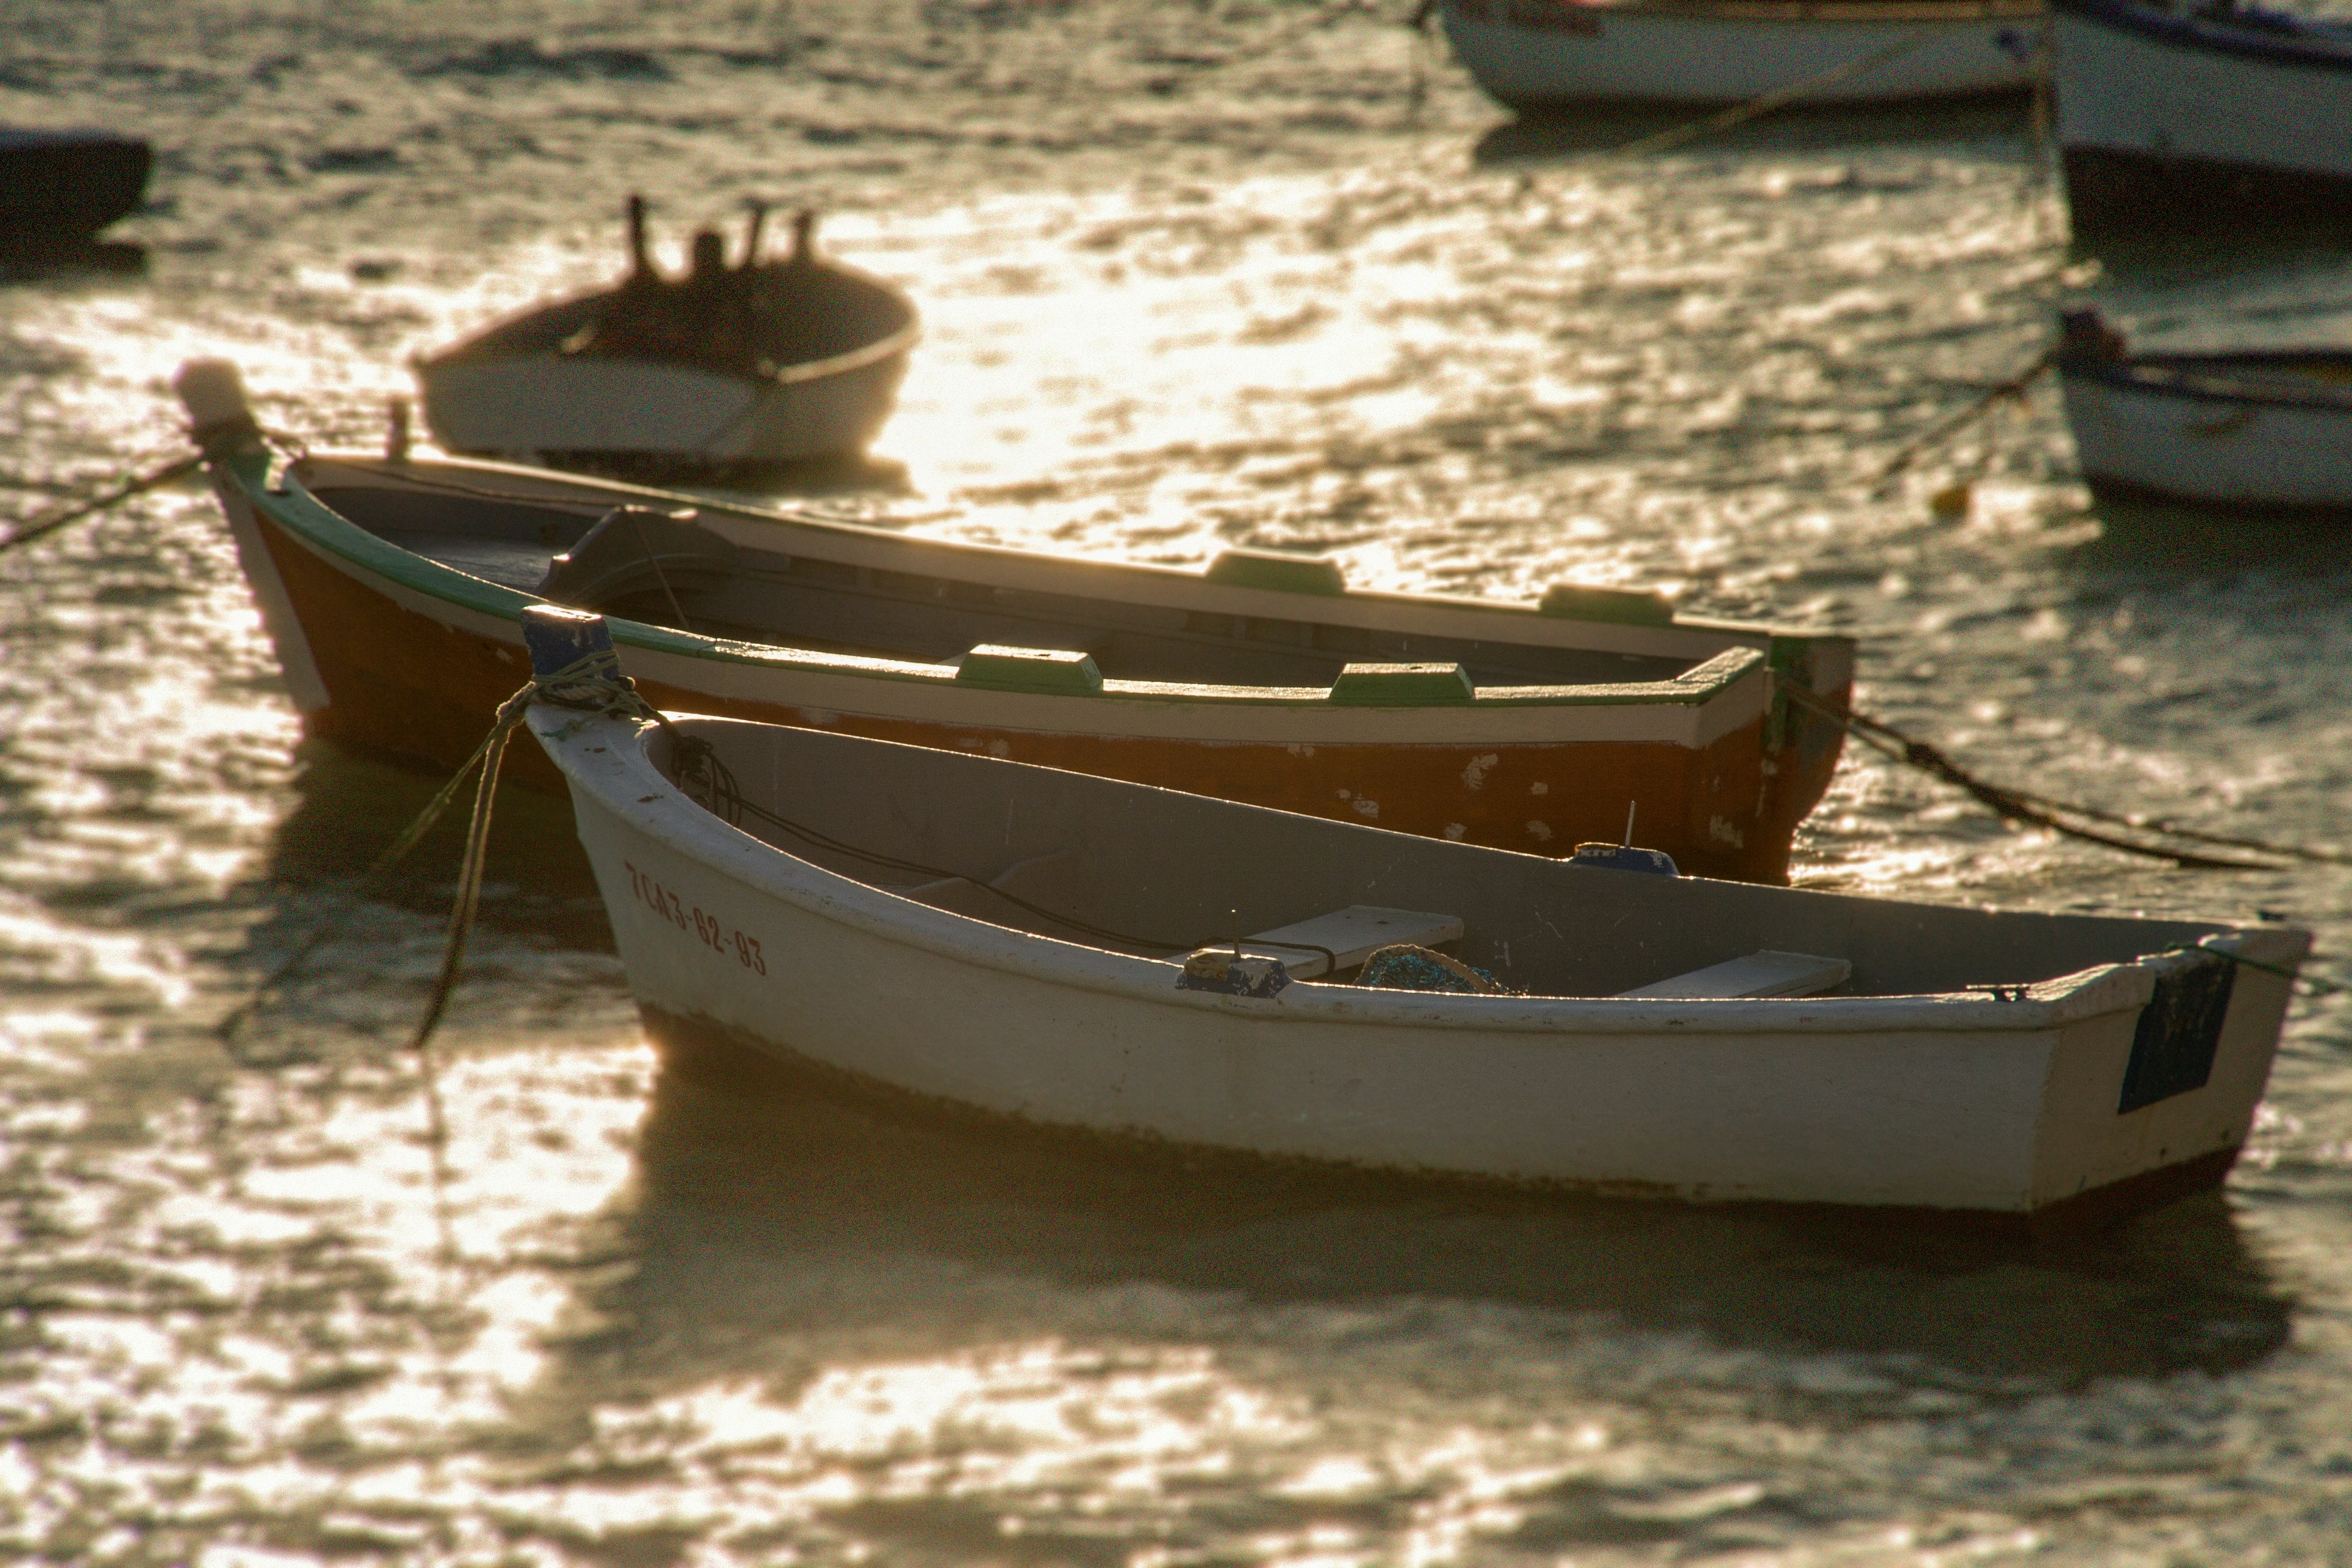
<point x="1532" y="53"/>
<point x="734" y="365"/>
<point x="1083" y="954"/>
<point x="2263" y="430"/>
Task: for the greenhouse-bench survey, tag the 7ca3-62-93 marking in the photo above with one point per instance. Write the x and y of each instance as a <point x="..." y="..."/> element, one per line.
<point x="715" y="934"/>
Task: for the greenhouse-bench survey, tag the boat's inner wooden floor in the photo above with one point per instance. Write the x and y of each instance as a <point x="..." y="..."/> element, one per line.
<point x="828" y="606"/>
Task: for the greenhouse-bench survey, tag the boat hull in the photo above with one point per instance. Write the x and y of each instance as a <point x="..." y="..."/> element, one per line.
<point x="561" y="409"/>
<point x="59" y="188"/>
<point x="2168" y="122"/>
<point x="1963" y="1103"/>
<point x="1529" y="53"/>
<point x="2202" y="440"/>
<point x="392" y="654"/>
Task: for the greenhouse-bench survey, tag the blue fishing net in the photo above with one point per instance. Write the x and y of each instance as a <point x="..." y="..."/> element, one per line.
<point x="1405" y="967"/>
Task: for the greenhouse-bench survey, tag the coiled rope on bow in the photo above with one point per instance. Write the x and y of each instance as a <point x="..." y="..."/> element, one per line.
<point x="2131" y="834"/>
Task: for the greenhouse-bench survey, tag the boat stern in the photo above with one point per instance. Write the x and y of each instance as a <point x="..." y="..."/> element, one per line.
<point x="2157" y="1098"/>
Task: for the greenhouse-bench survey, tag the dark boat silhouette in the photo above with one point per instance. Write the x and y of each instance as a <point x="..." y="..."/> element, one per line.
<point x="59" y="188"/>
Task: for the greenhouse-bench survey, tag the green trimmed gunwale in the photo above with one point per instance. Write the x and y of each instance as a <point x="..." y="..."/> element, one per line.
<point x="298" y="512"/>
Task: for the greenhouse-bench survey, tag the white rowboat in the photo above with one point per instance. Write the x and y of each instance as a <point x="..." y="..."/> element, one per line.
<point x="2170" y="118"/>
<point x="1532" y="53"/>
<point x="1017" y="941"/>
<point x="2260" y="430"/>
<point x="735" y="367"/>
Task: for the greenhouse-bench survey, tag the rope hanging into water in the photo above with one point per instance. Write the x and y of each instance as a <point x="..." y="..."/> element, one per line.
<point x="593" y="683"/>
<point x="74" y="511"/>
<point x="2066" y="817"/>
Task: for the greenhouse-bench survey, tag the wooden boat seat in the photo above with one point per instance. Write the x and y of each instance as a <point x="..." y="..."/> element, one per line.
<point x="1351" y="935"/>
<point x="1758" y="974"/>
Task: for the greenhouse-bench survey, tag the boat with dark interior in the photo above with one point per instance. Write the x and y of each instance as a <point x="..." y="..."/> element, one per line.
<point x="755" y="362"/>
<point x="392" y="587"/>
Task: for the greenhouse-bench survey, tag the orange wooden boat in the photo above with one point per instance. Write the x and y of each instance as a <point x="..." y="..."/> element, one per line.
<point x="392" y="589"/>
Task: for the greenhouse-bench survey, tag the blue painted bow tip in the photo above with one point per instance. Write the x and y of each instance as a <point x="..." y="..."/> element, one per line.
<point x="1625" y="857"/>
<point x="559" y="638"/>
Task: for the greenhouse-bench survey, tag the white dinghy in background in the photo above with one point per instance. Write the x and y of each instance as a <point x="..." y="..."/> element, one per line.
<point x="1066" y="951"/>
<point x="2259" y="430"/>
<point x="1530" y="54"/>
<point x="757" y="362"/>
<point x="2214" y="113"/>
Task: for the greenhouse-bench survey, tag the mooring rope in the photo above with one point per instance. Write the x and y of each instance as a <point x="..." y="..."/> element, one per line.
<point x="2014" y="387"/>
<point x="593" y="683"/>
<point x="74" y="511"/>
<point x="2042" y="811"/>
<point x="1765" y="103"/>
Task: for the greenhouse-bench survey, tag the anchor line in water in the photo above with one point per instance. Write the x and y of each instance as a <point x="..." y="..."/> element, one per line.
<point x="1765" y="103"/>
<point x="2313" y="984"/>
<point x="2014" y="387"/>
<point x="2042" y="811"/>
<point x="74" y="511"/>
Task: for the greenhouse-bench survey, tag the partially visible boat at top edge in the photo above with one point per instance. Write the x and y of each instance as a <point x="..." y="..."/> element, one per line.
<point x="736" y="365"/>
<point x="2252" y="429"/>
<point x="1530" y="54"/>
<point x="2171" y="119"/>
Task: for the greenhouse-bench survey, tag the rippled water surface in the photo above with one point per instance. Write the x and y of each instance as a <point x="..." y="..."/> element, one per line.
<point x="1192" y="275"/>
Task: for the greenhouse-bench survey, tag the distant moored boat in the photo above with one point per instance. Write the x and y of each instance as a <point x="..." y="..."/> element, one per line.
<point x="2265" y="429"/>
<point x="1532" y="53"/>
<point x="733" y="365"/>
<point x="2168" y="118"/>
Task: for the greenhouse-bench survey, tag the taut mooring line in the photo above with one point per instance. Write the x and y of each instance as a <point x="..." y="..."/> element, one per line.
<point x="138" y="484"/>
<point x="1765" y="103"/>
<point x="2041" y="811"/>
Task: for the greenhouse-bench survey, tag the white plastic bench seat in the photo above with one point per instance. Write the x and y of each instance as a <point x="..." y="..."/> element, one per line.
<point x="1353" y="934"/>
<point x="1766" y="974"/>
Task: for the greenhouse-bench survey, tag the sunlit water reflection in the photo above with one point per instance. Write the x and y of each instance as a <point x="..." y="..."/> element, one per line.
<point x="1190" y="278"/>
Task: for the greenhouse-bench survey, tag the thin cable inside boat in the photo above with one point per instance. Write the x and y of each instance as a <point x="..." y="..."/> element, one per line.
<point x="696" y="766"/>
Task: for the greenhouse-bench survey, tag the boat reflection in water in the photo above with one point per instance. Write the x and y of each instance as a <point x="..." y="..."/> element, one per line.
<point x="756" y="1198"/>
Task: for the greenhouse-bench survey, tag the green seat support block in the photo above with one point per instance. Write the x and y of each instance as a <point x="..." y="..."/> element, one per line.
<point x="1403" y="685"/>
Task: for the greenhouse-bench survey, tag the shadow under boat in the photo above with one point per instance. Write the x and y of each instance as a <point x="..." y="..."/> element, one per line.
<point x="748" y="1184"/>
<point x="39" y="259"/>
<point x="1541" y="135"/>
<point x="2148" y="532"/>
